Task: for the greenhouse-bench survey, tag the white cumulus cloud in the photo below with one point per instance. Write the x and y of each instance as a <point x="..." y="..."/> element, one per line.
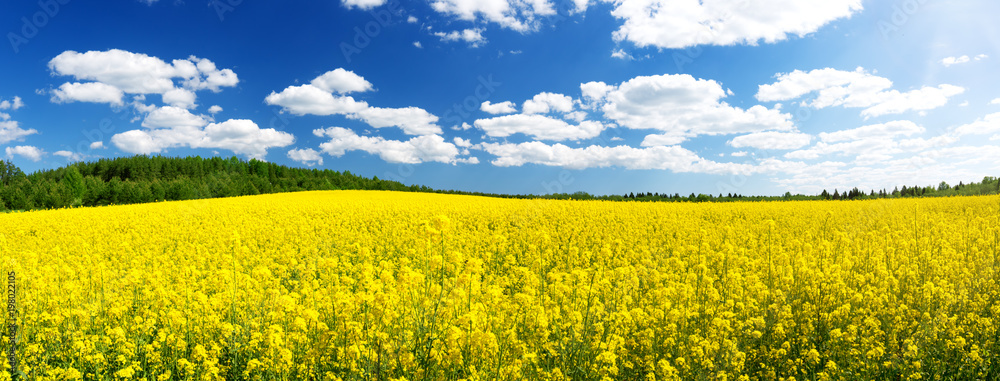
<point x="772" y="140"/>
<point x="948" y="61"/>
<point x="543" y="103"/>
<point x="362" y="4"/>
<point x="854" y="89"/>
<point x="673" y="158"/>
<point x="507" y="107"/>
<point x="170" y="117"/>
<point x="539" y="127"/>
<point x="94" y="92"/>
<point x="108" y="76"/>
<point x="10" y="130"/>
<point x="318" y="98"/>
<point x="69" y="155"/>
<point x="419" y="149"/>
<point x="307" y="156"/>
<point x="12" y="104"/>
<point x="341" y="81"/>
<point x="673" y="24"/>
<point x="241" y="136"/>
<point x="473" y="37"/>
<point x="681" y="106"/>
<point x="519" y="15"/>
<point x="989" y="124"/>
<point x="28" y="152"/>
<point x="311" y="100"/>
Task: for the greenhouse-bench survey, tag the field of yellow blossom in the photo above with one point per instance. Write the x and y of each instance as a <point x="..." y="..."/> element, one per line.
<point x="362" y="285"/>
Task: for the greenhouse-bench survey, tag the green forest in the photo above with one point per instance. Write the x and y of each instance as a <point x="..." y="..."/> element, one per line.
<point x="141" y="179"/>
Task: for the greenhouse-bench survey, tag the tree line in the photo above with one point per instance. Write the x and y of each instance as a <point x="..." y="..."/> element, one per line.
<point x="989" y="186"/>
<point x="142" y="179"/>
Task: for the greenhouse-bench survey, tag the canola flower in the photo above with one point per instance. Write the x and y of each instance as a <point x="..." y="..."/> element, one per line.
<point x="361" y="285"/>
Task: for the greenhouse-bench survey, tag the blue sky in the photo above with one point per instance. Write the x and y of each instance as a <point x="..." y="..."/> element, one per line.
<point x="518" y="96"/>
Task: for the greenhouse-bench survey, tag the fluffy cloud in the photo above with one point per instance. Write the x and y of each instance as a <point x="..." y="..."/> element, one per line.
<point x="127" y="71"/>
<point x="948" y="61"/>
<point x="473" y="37"/>
<point x="518" y="15"/>
<point x="990" y="124"/>
<point x="69" y="155"/>
<point x="876" y="131"/>
<point x="28" y="152"/>
<point x="306" y="156"/>
<point x="170" y="117"/>
<point x="12" y="104"/>
<point x="548" y="102"/>
<point x="115" y="73"/>
<point x="872" y="143"/>
<point x="311" y="100"/>
<point x="341" y="81"/>
<point x="539" y="126"/>
<point x="507" y="107"/>
<point x="362" y="4"/>
<point x="180" y="98"/>
<point x="10" y="130"/>
<point x="925" y="98"/>
<point x="244" y="137"/>
<point x="672" y="158"/>
<point x="772" y="140"/>
<point x="143" y="142"/>
<point x="622" y="55"/>
<point x="929" y="167"/>
<point x="856" y="89"/>
<point x="412" y="120"/>
<point x="318" y="98"/>
<point x="419" y="149"/>
<point x="653" y="140"/>
<point x="94" y="92"/>
<point x="241" y="136"/>
<point x="668" y="23"/>
<point x="679" y="24"/>
<point x="681" y="107"/>
<point x="595" y="92"/>
<point x="135" y="73"/>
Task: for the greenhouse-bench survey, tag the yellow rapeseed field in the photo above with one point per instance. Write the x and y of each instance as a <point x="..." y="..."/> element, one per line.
<point x="356" y="285"/>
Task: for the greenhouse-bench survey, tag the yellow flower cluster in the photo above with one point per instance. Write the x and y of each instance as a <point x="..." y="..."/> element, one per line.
<point x="355" y="285"/>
